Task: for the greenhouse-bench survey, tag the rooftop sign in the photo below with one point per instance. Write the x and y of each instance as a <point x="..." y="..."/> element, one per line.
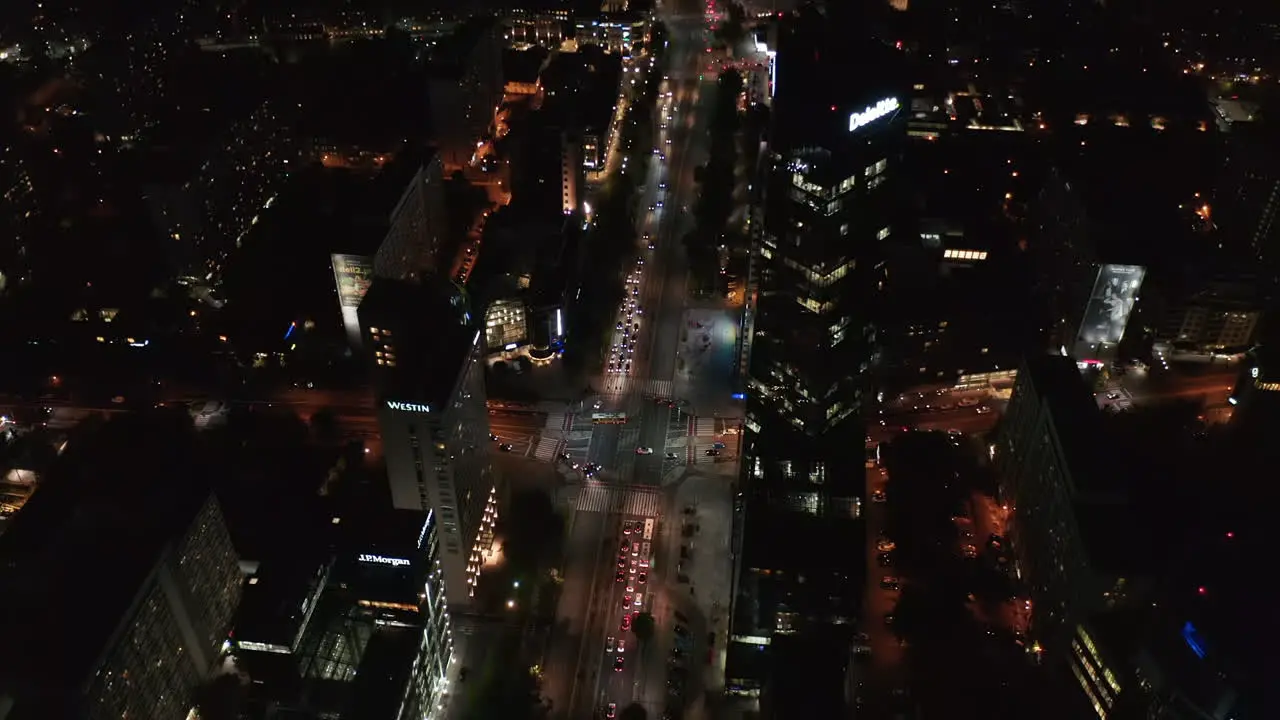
<point x="408" y="407"/>
<point x="382" y="560"/>
<point x="873" y="113"/>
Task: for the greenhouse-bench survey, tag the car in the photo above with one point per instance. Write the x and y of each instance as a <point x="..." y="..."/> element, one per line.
<point x="635" y="549"/>
<point x="888" y="619"/>
<point x="621" y="576"/>
<point x="609" y="644"/>
<point x="967" y="401"/>
<point x="622" y="645"/>
<point x="627" y="527"/>
<point x="625" y="545"/>
<point x="878" y="496"/>
<point x="611" y="711"/>
<point x="626" y="601"/>
<point x="662" y="186"/>
<point x="492" y="436"/>
<point x="969" y="551"/>
<point x="983" y="409"/>
<point x="626" y="622"/>
<point x="506" y="447"/>
<point x="631" y="588"/>
<point x="954" y="432"/>
<point x="886" y="545"/>
<point x="672" y="456"/>
<point x="642" y="577"/>
<point x="644" y="451"/>
<point x="622" y="563"/>
<point x="889" y="582"/>
<point x="1113" y="395"/>
<point x="884" y="559"/>
<point x="652" y="207"/>
<point x="711" y="452"/>
<point x="618" y="662"/>
<point x="618" y="326"/>
<point x="718" y="445"/>
<point x="639" y="600"/>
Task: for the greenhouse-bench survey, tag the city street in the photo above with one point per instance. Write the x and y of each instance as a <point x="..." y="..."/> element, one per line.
<point x="642" y="438"/>
<point x="887" y="667"/>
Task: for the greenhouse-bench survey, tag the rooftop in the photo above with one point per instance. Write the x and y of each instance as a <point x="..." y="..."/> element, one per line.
<point x="101" y="520"/>
<point x="808" y="107"/>
<point x="435" y="333"/>
<point x="1073" y="413"/>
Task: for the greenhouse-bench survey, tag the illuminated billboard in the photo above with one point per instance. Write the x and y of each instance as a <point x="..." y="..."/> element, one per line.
<point x="1114" y="294"/>
<point x="873" y="113"/>
<point x="352" y="274"/>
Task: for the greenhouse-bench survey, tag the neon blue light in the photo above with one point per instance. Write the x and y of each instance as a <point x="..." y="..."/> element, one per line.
<point x="1193" y="639"/>
<point x="292" y="326"/>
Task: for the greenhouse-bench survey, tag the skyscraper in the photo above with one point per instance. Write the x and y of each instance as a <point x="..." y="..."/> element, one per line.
<point x="828" y="204"/>
<point x="131" y="568"/>
<point x="425" y="347"/>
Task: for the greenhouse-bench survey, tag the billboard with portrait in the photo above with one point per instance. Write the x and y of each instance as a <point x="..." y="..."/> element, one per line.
<point x="1114" y="293"/>
<point x="352" y="273"/>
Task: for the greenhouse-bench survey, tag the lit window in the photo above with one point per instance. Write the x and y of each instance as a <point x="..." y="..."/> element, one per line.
<point x="884" y="233"/>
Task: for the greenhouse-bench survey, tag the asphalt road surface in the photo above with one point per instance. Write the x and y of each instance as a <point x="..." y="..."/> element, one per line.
<point x="580" y="675"/>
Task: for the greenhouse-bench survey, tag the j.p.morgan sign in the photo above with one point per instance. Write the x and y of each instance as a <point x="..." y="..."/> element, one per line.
<point x="873" y="113"/>
<point x="383" y="560"/>
<point x="408" y="407"/>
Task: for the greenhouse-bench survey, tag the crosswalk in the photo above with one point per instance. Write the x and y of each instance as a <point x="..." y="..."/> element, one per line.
<point x="547" y="448"/>
<point x="559" y="421"/>
<point x="706" y="427"/>
<point x="627" y="501"/>
<point x="659" y="388"/>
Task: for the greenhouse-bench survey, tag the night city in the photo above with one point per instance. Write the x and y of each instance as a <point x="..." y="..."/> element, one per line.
<point x="638" y="360"/>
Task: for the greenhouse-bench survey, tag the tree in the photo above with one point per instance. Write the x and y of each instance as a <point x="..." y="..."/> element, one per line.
<point x="643" y="626"/>
<point x="324" y="427"/>
<point x="220" y="698"/>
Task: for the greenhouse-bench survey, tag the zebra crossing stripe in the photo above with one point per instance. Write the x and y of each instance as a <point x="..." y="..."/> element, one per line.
<point x="706" y="427"/>
<point x="546" y="449"/>
<point x="555" y="421"/>
<point x="614" y="499"/>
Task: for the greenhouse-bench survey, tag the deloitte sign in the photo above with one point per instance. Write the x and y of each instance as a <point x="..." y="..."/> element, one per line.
<point x="873" y="113"/>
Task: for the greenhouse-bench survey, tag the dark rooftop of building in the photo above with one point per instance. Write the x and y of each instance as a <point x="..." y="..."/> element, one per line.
<point x="808" y="672"/>
<point x="780" y="537"/>
<point x="98" y="525"/>
<point x="1073" y="413"/>
<point x="523" y="66"/>
<point x="273" y="608"/>
<point x="809" y="108"/>
<point x="384" y="670"/>
<point x="434" y="331"/>
<point x="581" y="89"/>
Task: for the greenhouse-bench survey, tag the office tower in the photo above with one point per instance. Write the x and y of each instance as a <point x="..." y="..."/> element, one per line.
<point x="354" y="624"/>
<point x="465" y="89"/>
<point x="399" y="225"/>
<point x="828" y="204"/>
<point x="425" y="347"/>
<point x="119" y="583"/>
